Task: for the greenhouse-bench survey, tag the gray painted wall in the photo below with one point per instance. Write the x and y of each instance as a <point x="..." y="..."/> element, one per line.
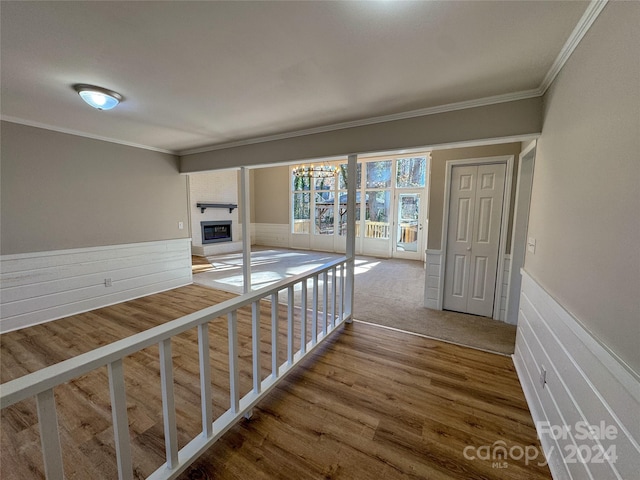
<point x="509" y="119"/>
<point x="62" y="191"/>
<point x="439" y="160"/>
<point x="271" y="192"/>
<point x="586" y="200"/>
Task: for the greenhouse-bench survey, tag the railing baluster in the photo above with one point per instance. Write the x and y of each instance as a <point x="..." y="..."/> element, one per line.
<point x="325" y="301"/>
<point x="49" y="437"/>
<point x="112" y="357"/>
<point x="234" y="374"/>
<point x="341" y="306"/>
<point x="303" y="317"/>
<point x="255" y="342"/>
<point x="333" y="298"/>
<point x="168" y="404"/>
<point x="205" y="380"/>
<point x="274" y="335"/>
<point x="290" y="325"/>
<point x="314" y="312"/>
<point x="120" y="420"/>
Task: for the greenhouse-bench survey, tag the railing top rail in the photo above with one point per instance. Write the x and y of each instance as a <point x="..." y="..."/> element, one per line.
<point x="39" y="381"/>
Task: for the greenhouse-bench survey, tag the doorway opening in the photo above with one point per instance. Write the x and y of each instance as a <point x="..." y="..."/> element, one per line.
<point x="477" y="197"/>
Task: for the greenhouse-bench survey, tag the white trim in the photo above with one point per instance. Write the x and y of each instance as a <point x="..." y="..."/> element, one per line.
<point x="433" y="274"/>
<point x="529" y="147"/>
<point x="582" y="27"/>
<point x="519" y="229"/>
<point x="584" y="383"/>
<point x="100" y="248"/>
<point x="506" y="278"/>
<point x="502" y="246"/>
<point x="43" y="286"/>
<point x="77" y="133"/>
<point x="504" y="223"/>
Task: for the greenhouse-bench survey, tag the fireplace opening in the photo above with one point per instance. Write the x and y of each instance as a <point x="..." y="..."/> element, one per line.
<point x="216" y="231"/>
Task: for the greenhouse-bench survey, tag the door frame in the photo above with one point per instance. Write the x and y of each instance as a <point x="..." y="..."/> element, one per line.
<point x="508" y="160"/>
<point x="527" y="160"/>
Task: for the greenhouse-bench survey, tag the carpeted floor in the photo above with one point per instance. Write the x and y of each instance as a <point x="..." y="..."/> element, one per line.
<point x="388" y="292"/>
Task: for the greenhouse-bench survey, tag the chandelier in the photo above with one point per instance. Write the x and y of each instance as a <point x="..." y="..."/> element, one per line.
<point x="315" y="171"/>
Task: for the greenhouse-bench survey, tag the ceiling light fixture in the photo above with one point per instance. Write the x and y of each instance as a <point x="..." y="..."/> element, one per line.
<point x="315" y="171"/>
<point x="98" y="97"/>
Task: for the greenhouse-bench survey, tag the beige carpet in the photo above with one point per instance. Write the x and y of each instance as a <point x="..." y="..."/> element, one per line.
<point x="387" y="292"/>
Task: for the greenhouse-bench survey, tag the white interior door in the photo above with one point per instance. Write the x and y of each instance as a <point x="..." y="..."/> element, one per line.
<point x="473" y="238"/>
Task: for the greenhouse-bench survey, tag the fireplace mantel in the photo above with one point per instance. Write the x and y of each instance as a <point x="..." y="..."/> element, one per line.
<point x="204" y="205"/>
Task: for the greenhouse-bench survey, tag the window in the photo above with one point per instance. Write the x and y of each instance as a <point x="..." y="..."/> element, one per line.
<point x="301" y="212"/>
<point x="377" y="211"/>
<point x="320" y="204"/>
<point x="379" y="174"/>
<point x="411" y="172"/>
<point x="324" y="205"/>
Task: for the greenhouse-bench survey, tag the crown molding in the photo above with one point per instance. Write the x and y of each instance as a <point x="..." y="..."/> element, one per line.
<point x="77" y="133"/>
<point x="449" y="107"/>
<point x="582" y="27"/>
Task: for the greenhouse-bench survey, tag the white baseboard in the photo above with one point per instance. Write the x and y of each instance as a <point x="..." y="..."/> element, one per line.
<point x="585" y="385"/>
<point x="43" y="286"/>
<point x="271" y="235"/>
<point x="432" y="279"/>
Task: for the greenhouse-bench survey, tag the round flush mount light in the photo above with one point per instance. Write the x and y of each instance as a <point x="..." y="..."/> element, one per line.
<point x="98" y="97"/>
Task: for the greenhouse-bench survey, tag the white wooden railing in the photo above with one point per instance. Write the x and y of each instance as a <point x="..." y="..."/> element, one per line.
<point x="329" y="309"/>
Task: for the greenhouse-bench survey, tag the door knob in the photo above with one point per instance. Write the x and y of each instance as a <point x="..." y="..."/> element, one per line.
<point x="468" y="249"/>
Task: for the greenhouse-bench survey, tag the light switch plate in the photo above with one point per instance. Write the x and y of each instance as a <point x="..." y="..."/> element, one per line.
<point x="531" y="245"/>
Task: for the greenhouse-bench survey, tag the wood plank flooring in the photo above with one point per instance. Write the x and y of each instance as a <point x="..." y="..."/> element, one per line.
<point x="371" y="403"/>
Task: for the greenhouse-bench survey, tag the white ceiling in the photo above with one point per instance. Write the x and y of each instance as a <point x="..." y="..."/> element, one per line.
<point x="196" y="74"/>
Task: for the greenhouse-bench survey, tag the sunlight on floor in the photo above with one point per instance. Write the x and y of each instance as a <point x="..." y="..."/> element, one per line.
<point x="364" y="266"/>
<point x="227" y="269"/>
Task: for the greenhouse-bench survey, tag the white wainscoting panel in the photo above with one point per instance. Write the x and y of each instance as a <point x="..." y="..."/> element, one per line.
<point x="272" y="235"/>
<point x="506" y="275"/>
<point x="432" y="280"/>
<point x="585" y="385"/>
<point x="43" y="286"/>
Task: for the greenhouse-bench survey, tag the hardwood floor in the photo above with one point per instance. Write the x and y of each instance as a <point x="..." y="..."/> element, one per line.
<point x="371" y="403"/>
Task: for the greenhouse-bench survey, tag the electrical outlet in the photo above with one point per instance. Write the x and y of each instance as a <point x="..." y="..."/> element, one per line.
<point x="107" y="282"/>
<point x="543" y="376"/>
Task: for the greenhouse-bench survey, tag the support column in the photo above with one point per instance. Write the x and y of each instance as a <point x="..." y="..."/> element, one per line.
<point x="245" y="218"/>
<point x="351" y="234"/>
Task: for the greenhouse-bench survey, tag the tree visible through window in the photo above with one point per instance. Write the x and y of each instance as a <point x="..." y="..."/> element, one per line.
<point x="320" y="205"/>
<point x="411" y="172"/>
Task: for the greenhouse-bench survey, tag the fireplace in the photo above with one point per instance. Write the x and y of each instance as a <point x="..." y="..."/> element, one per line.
<point x="216" y="231"/>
